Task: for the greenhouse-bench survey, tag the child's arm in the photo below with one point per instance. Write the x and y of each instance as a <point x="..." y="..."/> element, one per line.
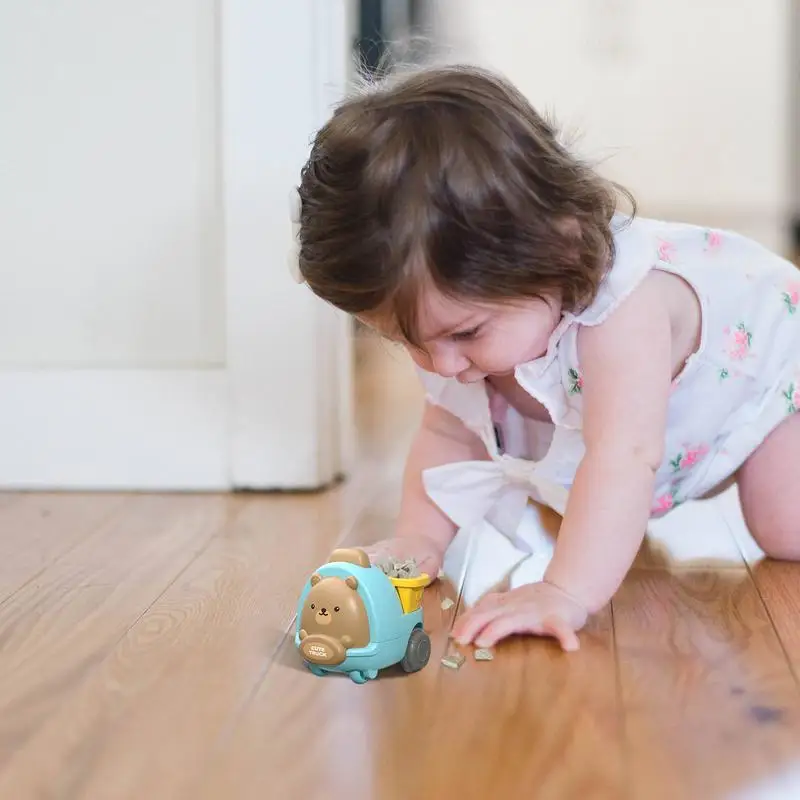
<point x="627" y="371"/>
<point x="423" y="531"/>
<point x="627" y="368"/>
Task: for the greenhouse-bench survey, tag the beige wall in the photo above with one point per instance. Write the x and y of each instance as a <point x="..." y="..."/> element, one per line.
<point x="110" y="229"/>
<point x="689" y="99"/>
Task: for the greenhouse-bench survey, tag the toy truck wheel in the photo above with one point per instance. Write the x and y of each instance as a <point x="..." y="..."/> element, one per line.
<point x="418" y="651"/>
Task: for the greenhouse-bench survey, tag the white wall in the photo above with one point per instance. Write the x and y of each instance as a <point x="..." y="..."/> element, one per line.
<point x="690" y="97"/>
<point x="109" y="200"/>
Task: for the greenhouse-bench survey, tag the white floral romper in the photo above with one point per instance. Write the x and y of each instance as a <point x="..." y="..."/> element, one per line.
<point x="742" y="381"/>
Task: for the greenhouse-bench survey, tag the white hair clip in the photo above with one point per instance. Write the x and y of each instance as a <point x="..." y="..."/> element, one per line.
<point x="294" y="251"/>
<point x="294" y="207"/>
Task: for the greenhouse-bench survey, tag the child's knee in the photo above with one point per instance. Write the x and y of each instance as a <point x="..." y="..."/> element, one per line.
<point x="776" y="528"/>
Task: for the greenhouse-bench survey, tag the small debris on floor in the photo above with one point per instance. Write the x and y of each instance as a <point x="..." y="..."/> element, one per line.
<point x="453" y="660"/>
<point x="483" y="654"/>
<point x="447" y="603"/>
<point x="395" y="568"/>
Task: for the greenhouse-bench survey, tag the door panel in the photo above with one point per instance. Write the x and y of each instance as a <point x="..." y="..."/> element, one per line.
<point x="109" y="184"/>
<point x="151" y="335"/>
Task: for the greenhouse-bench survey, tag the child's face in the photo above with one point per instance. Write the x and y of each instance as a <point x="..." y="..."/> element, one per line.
<point x="470" y="341"/>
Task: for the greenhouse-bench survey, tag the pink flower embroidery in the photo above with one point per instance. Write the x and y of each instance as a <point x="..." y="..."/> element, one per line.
<point x="713" y="240"/>
<point x="688" y="457"/>
<point x="792" y="395"/>
<point x="664" y="503"/>
<point x="666" y="250"/>
<point x="693" y="455"/>
<point x="575" y="381"/>
<point x="791" y="297"/>
<point x="740" y="341"/>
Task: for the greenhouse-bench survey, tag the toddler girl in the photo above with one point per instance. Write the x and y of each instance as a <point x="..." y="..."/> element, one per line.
<point x="566" y="347"/>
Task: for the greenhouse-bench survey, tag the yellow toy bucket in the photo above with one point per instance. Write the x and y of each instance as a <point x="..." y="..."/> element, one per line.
<point x="410" y="591"/>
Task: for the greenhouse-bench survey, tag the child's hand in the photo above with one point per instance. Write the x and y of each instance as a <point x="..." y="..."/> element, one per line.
<point x="424" y="551"/>
<point x="538" y="608"/>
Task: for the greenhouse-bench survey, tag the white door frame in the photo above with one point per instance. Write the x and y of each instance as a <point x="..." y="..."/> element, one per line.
<point x="291" y="412"/>
<point x="278" y="414"/>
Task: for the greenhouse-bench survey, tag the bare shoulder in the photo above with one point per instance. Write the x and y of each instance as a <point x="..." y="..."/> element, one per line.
<point x="662" y="301"/>
<point x="648" y="305"/>
<point x="675" y="294"/>
<point x="626" y="362"/>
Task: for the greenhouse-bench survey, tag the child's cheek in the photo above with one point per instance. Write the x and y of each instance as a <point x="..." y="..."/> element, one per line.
<point x="482" y="355"/>
<point x="421" y="359"/>
<point x="497" y="350"/>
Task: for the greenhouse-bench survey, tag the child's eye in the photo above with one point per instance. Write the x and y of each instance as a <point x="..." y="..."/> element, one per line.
<point x="463" y="336"/>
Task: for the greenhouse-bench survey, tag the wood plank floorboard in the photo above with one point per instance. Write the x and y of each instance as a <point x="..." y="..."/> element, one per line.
<point x="711" y="706"/>
<point x="144" y="654"/>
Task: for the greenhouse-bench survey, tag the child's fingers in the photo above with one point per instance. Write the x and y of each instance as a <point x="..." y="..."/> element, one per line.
<point x="501" y="627"/>
<point x="489" y="608"/>
<point x="508" y="624"/>
<point x="430" y="566"/>
<point x="472" y="622"/>
<point x="559" y="629"/>
<point x="376" y="550"/>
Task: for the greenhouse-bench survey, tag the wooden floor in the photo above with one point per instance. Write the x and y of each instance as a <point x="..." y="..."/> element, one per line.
<point x="143" y="654"/>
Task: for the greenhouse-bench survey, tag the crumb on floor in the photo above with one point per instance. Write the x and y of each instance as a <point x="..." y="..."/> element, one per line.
<point x="453" y="661"/>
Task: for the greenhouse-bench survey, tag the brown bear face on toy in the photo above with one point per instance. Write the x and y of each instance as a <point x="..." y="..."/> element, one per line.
<point x="333" y="620"/>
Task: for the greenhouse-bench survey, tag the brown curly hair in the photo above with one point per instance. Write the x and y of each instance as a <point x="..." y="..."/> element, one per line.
<point x="448" y="177"/>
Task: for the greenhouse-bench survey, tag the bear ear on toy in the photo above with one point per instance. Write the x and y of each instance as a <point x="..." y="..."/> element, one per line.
<point x="352" y="582"/>
<point x="351" y="555"/>
<point x="315" y="579"/>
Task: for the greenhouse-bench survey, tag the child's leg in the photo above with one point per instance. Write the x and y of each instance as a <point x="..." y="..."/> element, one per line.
<point x="769" y="489"/>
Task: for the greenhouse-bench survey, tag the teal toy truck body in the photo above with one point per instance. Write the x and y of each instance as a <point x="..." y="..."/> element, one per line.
<point x="353" y="618"/>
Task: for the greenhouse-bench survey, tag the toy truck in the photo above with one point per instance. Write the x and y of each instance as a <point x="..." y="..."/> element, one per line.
<point x="353" y="618"/>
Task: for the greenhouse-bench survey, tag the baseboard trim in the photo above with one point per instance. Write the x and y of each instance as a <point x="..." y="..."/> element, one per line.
<point x="148" y="430"/>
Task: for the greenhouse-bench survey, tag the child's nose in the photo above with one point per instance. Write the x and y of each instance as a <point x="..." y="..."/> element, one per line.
<point x="449" y="362"/>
